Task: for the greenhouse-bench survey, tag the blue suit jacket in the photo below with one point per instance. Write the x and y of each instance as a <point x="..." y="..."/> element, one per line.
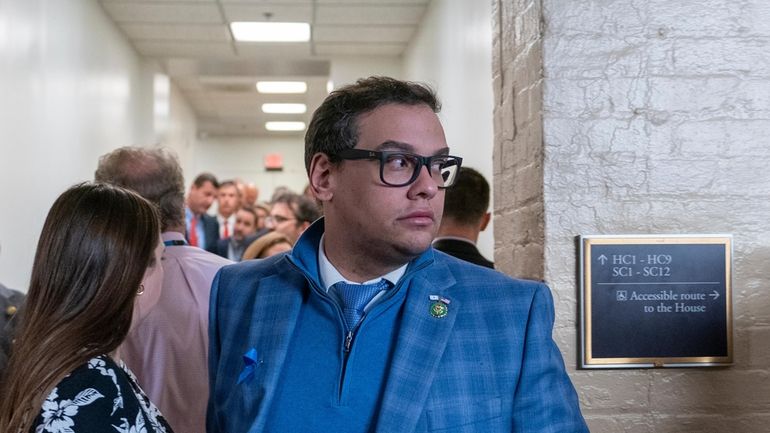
<point x="489" y="365"/>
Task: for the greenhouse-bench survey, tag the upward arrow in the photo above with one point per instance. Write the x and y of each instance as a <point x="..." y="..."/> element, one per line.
<point x="602" y="258"/>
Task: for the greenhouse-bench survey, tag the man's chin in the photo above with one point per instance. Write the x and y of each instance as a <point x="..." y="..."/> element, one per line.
<point x="414" y="247"/>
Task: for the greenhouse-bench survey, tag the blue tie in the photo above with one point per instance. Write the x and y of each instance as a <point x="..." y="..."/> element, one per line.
<point x="355" y="297"/>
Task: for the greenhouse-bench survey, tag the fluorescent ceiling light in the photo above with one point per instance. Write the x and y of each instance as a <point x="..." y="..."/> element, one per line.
<point x="281" y="86"/>
<point x="284" y="108"/>
<point x="244" y="31"/>
<point x="285" y="126"/>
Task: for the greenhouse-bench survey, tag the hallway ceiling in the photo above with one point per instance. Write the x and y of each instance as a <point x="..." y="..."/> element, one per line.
<point x="217" y="75"/>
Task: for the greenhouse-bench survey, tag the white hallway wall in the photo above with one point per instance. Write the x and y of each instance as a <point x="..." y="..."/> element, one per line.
<point x="243" y="157"/>
<point x="72" y="89"/>
<point x="452" y="52"/>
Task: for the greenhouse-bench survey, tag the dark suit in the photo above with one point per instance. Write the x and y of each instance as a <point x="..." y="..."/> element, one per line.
<point x="463" y="250"/>
<point x="211" y="229"/>
<point x="10" y="301"/>
<point x="223" y="245"/>
<point x="488" y="365"/>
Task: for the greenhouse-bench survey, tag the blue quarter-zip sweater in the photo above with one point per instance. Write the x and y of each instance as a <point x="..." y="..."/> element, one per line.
<point x="342" y="388"/>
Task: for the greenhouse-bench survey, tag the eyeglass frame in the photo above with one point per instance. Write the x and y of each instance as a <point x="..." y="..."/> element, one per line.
<point x="422" y="161"/>
<point x="278" y="219"/>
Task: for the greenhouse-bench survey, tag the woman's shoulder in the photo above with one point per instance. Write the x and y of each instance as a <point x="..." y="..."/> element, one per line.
<point x="89" y="391"/>
<point x="96" y="396"/>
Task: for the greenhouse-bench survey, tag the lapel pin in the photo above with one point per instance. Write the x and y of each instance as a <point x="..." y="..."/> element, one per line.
<point x="439" y="306"/>
<point x="11" y="310"/>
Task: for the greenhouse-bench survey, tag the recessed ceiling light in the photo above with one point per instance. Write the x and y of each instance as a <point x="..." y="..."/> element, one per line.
<point x="281" y="86"/>
<point x="285" y="126"/>
<point x="245" y="31"/>
<point x="284" y="108"/>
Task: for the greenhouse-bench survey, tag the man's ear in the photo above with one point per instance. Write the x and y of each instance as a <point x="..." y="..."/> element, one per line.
<point x="320" y="178"/>
<point x="485" y="221"/>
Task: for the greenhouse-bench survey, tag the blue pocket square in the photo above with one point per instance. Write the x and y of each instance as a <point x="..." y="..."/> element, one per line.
<point x="250" y="361"/>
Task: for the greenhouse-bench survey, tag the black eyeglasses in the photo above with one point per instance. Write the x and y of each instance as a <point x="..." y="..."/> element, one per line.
<point x="402" y="168"/>
<point x="277" y="219"/>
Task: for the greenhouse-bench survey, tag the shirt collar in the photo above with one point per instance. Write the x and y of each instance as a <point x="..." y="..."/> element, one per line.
<point x="330" y="276"/>
<point x="172" y="236"/>
<point x="453" y="238"/>
<point x="188" y="213"/>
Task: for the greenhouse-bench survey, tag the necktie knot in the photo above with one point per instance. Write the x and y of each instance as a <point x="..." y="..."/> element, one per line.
<point x="355" y="297"/>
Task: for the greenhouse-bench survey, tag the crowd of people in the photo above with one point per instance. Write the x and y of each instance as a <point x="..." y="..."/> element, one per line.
<point x="240" y="220"/>
<point x="139" y="319"/>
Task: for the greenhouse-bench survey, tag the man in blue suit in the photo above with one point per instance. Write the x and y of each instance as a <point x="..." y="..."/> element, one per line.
<point x="363" y="327"/>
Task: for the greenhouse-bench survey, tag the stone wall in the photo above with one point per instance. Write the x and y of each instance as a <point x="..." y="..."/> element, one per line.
<point x="654" y="120"/>
<point x="517" y="76"/>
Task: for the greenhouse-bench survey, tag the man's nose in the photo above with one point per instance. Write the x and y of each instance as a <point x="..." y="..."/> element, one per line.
<point x="425" y="185"/>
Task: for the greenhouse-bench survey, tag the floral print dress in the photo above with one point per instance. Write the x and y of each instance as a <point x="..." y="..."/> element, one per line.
<point x="99" y="396"/>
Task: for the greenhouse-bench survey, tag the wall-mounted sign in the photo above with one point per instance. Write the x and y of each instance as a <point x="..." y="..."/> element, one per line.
<point x="656" y="301"/>
<point x="273" y="162"/>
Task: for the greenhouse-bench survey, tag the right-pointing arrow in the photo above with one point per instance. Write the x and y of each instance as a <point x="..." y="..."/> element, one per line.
<point x="714" y="295"/>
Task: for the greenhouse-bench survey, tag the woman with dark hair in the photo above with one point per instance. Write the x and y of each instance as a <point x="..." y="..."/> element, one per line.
<point x="96" y="274"/>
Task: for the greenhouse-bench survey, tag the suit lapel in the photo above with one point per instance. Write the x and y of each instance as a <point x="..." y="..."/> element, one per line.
<point x="421" y="343"/>
<point x="276" y="313"/>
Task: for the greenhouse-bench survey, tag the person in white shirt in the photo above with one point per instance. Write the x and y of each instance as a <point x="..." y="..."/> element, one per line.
<point x="228" y="202"/>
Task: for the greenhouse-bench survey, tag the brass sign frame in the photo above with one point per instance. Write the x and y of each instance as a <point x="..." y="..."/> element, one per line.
<point x="588" y="361"/>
